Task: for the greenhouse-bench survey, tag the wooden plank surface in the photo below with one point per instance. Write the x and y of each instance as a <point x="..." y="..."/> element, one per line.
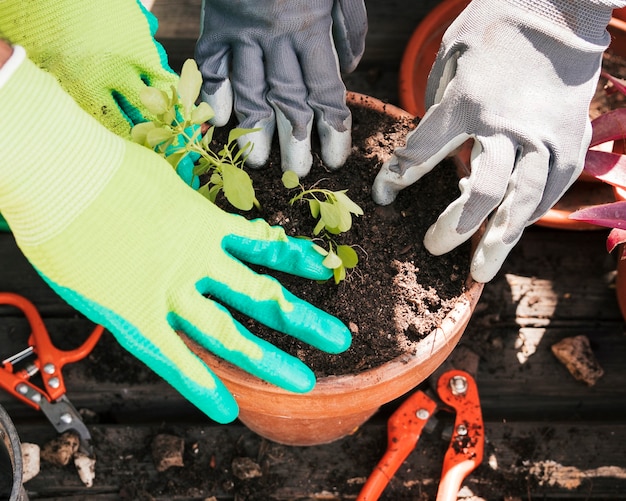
<point x="560" y="460"/>
<point x="548" y="435"/>
<point x="545" y="430"/>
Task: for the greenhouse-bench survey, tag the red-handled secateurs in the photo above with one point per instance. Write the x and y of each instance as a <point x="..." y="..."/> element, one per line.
<point x="44" y="358"/>
<point x="458" y="393"/>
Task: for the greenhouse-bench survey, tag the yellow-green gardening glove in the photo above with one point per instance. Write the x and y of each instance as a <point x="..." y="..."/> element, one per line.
<point x="120" y="237"/>
<point x="103" y="53"/>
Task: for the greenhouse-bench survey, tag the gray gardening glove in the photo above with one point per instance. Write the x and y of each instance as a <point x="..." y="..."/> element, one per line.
<point x="517" y="77"/>
<point x="280" y="63"/>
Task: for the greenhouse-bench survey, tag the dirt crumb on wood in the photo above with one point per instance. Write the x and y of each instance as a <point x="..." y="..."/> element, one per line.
<point x="167" y="451"/>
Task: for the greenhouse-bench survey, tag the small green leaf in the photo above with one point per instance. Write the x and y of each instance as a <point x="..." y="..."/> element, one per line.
<point x="314" y="207"/>
<point x="330" y="214"/>
<point x="204" y="190"/>
<point x="318" y="227"/>
<point x="348" y="256"/>
<point x="332" y="261"/>
<point x="169" y="117"/>
<point x="207" y="138"/>
<point x="237" y="132"/>
<point x="213" y="192"/>
<point x="333" y="231"/>
<point x="215" y="179"/>
<point x="237" y="187"/>
<point x="320" y="250"/>
<point x="156" y="101"/>
<point x="345" y="219"/>
<point x="139" y="132"/>
<point x="176" y="157"/>
<point x="165" y="147"/>
<point x="158" y="136"/>
<point x="345" y="201"/>
<point x="174" y="96"/>
<point x="339" y="274"/>
<point x="290" y="179"/>
<point x="202" y="167"/>
<point x="189" y="86"/>
<point x="203" y="113"/>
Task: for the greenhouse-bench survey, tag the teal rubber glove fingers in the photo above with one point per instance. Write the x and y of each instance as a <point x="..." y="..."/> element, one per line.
<point x="516" y="77"/>
<point x="138" y="260"/>
<point x="278" y="66"/>
<point x="4" y="226"/>
<point x="102" y="53"/>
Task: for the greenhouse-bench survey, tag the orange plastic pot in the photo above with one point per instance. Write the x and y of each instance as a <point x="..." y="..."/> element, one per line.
<point x="417" y="61"/>
<point x="338" y="405"/>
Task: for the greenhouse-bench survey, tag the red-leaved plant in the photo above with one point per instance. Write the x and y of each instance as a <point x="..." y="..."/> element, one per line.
<point x="608" y="167"/>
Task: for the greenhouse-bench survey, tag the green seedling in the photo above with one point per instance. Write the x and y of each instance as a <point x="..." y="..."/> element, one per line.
<point x="333" y="211"/>
<point x="176" y="132"/>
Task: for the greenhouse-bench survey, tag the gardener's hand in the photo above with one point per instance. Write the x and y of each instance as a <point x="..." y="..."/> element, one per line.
<point x="277" y="61"/>
<point x="103" y="53"/>
<point x="517" y="77"/>
<point x="140" y="260"/>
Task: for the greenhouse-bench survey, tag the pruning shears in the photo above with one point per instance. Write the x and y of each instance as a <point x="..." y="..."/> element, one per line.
<point x="457" y="392"/>
<point x="42" y="357"/>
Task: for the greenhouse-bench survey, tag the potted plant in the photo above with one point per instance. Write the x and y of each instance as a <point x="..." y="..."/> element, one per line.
<point x="610" y="167"/>
<point x="418" y="58"/>
<point x="341" y="402"/>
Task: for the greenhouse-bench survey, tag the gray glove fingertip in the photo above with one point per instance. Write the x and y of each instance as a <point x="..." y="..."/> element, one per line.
<point x="489" y="257"/>
<point x="336" y="145"/>
<point x="221" y="100"/>
<point x="258" y="143"/>
<point x="295" y="153"/>
<point x="387" y="183"/>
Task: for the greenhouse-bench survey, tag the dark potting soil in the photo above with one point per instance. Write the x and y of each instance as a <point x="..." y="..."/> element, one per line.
<point x="399" y="292"/>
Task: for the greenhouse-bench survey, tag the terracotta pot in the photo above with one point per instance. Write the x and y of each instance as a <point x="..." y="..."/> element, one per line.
<point x="338" y="405"/>
<point x="418" y="58"/>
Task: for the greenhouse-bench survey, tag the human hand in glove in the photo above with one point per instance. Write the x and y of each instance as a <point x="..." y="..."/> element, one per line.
<point x="517" y="77"/>
<point x="279" y="64"/>
<point x="103" y="53"/>
<point x="146" y="262"/>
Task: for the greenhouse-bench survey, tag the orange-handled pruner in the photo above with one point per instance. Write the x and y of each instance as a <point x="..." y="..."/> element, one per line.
<point x="42" y="357"/>
<point x="457" y="391"/>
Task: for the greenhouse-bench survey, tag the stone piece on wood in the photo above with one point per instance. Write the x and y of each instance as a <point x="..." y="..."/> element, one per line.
<point x="30" y="461"/>
<point x="575" y="353"/>
<point x="86" y="468"/>
<point x="61" y="450"/>
<point x="245" y="468"/>
<point x="167" y="451"/>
